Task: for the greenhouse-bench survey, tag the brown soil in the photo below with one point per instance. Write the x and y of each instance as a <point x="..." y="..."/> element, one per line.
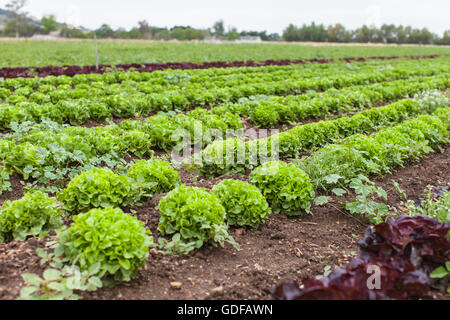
<point x="282" y="248"/>
<point x="16" y="192"/>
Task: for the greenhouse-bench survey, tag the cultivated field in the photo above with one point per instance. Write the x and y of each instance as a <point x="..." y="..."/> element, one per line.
<point x="33" y="53"/>
<point x="183" y="181"/>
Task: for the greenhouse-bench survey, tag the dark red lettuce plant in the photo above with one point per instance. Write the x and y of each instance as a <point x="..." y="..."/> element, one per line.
<point x="405" y="250"/>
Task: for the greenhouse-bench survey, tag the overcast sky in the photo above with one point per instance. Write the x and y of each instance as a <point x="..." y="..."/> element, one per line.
<point x="270" y="15"/>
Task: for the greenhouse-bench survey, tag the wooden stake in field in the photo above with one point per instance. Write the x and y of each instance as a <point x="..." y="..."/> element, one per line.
<point x="96" y="51"/>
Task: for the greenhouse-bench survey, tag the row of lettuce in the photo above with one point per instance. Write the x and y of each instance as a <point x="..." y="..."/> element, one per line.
<point x="161" y="80"/>
<point x="174" y="79"/>
<point x="117" y="244"/>
<point x="305" y="138"/>
<point x="268" y="111"/>
<point x="263" y="111"/>
<point x="49" y="152"/>
<point x="98" y="103"/>
<point x="73" y="70"/>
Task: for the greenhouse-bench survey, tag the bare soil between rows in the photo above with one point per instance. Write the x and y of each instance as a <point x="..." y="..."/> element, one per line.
<point x="282" y="248"/>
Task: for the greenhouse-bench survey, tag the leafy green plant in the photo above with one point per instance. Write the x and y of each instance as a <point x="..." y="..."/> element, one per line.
<point x="366" y="192"/>
<point x="364" y="204"/>
<point x="61" y="281"/>
<point x="5" y="185"/>
<point x="264" y="115"/>
<point x="193" y="217"/>
<point x="441" y="273"/>
<point x="286" y="187"/>
<point x="431" y="100"/>
<point x="97" y="188"/>
<point x="154" y="176"/>
<point x="244" y="203"/>
<point x="35" y="214"/>
<point x="59" y="284"/>
<point x="326" y="271"/>
<point x="109" y="239"/>
<point x="221" y="157"/>
<point x="444" y="115"/>
<point x="432" y="206"/>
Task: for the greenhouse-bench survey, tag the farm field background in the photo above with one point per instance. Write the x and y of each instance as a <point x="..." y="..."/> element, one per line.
<point x="29" y="53"/>
<point x="71" y="145"/>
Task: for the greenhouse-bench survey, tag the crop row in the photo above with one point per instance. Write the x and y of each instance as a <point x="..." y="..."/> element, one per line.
<point x="176" y="78"/>
<point x="288" y="188"/>
<point x="50" y="152"/>
<point x="378" y="153"/>
<point x="151" y="67"/>
<point x="89" y="106"/>
<point x="262" y="112"/>
<point x="269" y="111"/>
<point x="235" y="155"/>
<point x="192" y="215"/>
<point x="175" y="82"/>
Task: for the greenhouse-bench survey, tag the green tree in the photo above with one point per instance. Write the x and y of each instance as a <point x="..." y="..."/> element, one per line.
<point x="25" y="29"/>
<point x="105" y="31"/>
<point x="219" y="28"/>
<point x="401" y="35"/>
<point x="144" y="29"/>
<point x="232" y="34"/>
<point x="363" y="34"/>
<point x="49" y="23"/>
<point x="161" y="34"/>
<point x="135" y="33"/>
<point x="69" y="32"/>
<point x="16" y="6"/>
<point x="291" y="33"/>
<point x="445" y="38"/>
<point x="316" y="33"/>
<point x="388" y="33"/>
<point x="337" y="33"/>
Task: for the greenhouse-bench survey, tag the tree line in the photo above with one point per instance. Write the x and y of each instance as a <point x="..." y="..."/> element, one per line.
<point x="19" y="24"/>
<point x="387" y="33"/>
